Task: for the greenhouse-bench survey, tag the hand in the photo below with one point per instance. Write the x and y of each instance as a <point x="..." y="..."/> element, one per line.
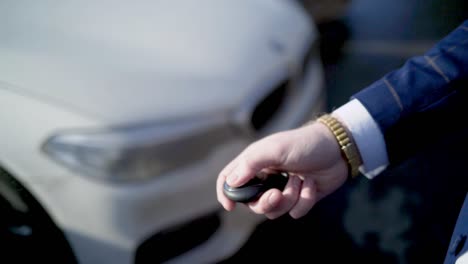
<point x="310" y="154"/>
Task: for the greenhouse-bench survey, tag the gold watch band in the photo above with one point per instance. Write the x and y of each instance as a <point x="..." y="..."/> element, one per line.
<point x="348" y="147"/>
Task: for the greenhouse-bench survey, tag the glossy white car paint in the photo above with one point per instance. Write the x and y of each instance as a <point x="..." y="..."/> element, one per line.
<point x="71" y="66"/>
<point x="107" y="58"/>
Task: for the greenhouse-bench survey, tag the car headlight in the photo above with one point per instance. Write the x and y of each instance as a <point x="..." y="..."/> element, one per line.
<point x="125" y="154"/>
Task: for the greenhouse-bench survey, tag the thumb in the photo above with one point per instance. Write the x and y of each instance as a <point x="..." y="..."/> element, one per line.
<point x="251" y="162"/>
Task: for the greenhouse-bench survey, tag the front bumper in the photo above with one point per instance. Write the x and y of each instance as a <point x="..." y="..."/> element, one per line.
<point x="110" y="224"/>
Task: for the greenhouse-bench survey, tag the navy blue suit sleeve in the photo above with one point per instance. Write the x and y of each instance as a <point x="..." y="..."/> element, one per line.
<point x="421" y="82"/>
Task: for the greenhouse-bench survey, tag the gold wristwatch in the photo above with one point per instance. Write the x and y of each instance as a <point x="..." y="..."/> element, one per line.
<point x="347" y="145"/>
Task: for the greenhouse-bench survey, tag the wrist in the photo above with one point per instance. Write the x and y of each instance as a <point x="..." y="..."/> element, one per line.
<point x="366" y="134"/>
<point x="344" y="139"/>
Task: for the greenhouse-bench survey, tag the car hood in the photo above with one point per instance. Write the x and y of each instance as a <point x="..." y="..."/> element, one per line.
<point x="121" y="61"/>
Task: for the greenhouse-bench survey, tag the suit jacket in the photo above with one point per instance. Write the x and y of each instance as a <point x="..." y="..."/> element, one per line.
<point x="421" y="85"/>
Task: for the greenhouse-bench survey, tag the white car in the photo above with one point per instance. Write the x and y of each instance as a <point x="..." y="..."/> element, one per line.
<point x="117" y="116"/>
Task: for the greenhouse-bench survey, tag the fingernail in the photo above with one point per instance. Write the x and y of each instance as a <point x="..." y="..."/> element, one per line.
<point x="231" y="179"/>
<point x="273" y="199"/>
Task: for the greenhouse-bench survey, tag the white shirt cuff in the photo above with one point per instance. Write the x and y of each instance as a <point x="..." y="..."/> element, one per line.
<point x="367" y="136"/>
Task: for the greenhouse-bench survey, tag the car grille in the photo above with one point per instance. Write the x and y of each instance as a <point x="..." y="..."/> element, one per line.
<point x="267" y="108"/>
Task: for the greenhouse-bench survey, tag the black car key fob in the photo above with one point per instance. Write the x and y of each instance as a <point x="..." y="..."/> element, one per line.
<point x="254" y="188"/>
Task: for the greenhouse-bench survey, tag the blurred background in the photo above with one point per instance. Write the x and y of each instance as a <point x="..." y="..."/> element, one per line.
<point x="407" y="214"/>
<point x="125" y="113"/>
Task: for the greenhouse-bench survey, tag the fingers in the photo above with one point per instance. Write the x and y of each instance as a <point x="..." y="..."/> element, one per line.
<point x="222" y="199"/>
<point x="307" y="199"/>
<point x="298" y="198"/>
<point x="257" y="157"/>
<point x="243" y="168"/>
<point x="267" y="202"/>
<point x="290" y="197"/>
<point x="273" y="203"/>
<point x="252" y="161"/>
